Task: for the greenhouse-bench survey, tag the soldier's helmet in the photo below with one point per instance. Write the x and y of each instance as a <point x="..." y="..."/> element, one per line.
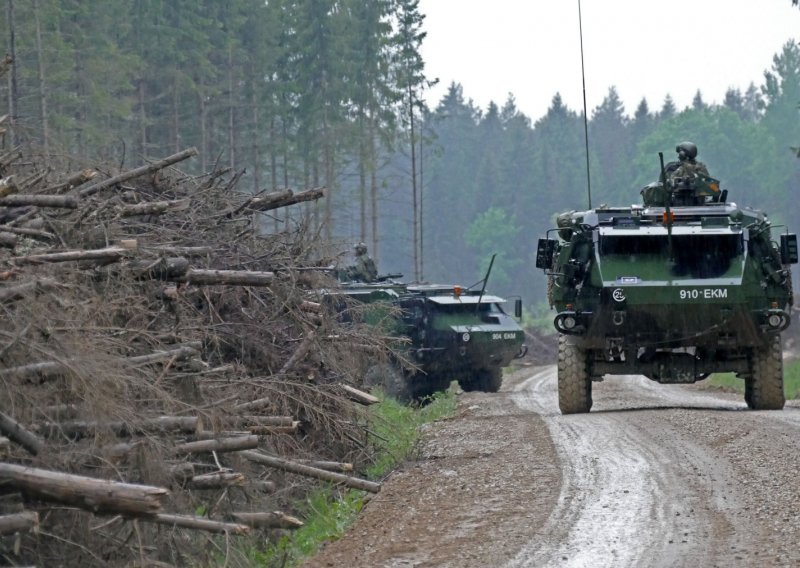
<point x="686" y="151"/>
<point x="360" y="248"/>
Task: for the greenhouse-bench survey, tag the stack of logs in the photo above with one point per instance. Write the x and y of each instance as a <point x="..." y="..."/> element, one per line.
<point x="163" y="363"/>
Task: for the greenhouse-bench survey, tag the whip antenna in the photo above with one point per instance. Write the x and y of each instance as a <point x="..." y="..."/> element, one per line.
<point x="585" y="113"/>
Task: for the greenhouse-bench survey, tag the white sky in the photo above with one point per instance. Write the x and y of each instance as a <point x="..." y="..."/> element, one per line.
<point x="645" y="48"/>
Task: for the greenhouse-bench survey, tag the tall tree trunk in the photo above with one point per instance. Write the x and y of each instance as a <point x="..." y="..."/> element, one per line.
<point x="231" y="109"/>
<point x="414" y="223"/>
<point x="176" y="131"/>
<point x="255" y="131"/>
<point x="203" y="126"/>
<point x="421" y="213"/>
<point x="12" y="76"/>
<point x="373" y="186"/>
<point x="362" y="181"/>
<point x="142" y="120"/>
<point x="42" y="81"/>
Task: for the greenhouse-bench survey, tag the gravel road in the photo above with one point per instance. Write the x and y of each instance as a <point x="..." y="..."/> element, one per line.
<point x="655" y="475"/>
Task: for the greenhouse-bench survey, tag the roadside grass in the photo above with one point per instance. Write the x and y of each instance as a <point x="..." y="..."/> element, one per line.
<point x="329" y="511"/>
<point x="791" y="380"/>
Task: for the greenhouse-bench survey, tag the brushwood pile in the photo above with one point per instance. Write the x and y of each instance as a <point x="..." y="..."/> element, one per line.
<point x="168" y="383"/>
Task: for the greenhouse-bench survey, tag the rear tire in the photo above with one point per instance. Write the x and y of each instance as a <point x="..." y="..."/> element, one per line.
<point x="574" y="381"/>
<point x="767" y="376"/>
<point x="392" y="380"/>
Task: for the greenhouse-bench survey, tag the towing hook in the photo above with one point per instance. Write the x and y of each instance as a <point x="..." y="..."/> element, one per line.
<point x="618" y="318"/>
<point x="523" y="350"/>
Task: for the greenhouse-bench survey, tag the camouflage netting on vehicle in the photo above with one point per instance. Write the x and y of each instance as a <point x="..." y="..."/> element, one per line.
<point x="154" y="333"/>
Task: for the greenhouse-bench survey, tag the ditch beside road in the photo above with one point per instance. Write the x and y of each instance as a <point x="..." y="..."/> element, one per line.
<point x="655" y="475"/>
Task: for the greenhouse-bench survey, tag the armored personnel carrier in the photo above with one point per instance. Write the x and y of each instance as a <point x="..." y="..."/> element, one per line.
<point x="680" y="287"/>
<point x="450" y="334"/>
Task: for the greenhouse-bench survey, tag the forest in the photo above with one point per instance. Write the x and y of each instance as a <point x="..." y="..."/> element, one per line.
<point x="309" y="93"/>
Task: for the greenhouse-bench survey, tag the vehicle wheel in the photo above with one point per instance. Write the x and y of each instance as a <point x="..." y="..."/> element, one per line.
<point x="574" y="381"/>
<point x="391" y="379"/>
<point x="489" y="380"/>
<point x="427" y="385"/>
<point x="748" y="390"/>
<point x="767" y="376"/>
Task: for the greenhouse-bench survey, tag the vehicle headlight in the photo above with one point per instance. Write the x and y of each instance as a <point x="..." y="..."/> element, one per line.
<point x="775" y="320"/>
<point x="465" y="337"/>
<point x="568" y="322"/>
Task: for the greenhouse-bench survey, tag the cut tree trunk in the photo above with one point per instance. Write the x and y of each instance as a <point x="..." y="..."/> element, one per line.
<point x="234" y="444"/>
<point x="22" y="200"/>
<point x="216" y="480"/>
<point x="275" y="520"/>
<point x="230" y="277"/>
<point x="97" y="495"/>
<point x="20" y="435"/>
<point x="148" y="169"/>
<point x="19" y="522"/>
<point x="198" y="523"/>
<point x="108" y="254"/>
<point x="308" y="471"/>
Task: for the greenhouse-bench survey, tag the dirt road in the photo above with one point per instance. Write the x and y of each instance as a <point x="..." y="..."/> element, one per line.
<point x="655" y="475"/>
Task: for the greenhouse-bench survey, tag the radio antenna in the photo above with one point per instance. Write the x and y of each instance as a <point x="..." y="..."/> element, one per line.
<point x="585" y="112"/>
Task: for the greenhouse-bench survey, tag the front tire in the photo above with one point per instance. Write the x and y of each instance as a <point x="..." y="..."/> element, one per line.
<point x="574" y="380"/>
<point x="766" y="392"/>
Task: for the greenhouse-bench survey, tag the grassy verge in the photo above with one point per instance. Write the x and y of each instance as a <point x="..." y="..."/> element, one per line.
<point x="791" y="380"/>
<point x="329" y="511"/>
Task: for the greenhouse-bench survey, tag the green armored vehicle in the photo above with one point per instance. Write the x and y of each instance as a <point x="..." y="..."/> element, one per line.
<point x="451" y="334"/>
<point x="680" y="287"/>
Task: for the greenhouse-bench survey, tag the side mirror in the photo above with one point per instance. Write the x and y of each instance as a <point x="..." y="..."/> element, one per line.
<point x="789" y="248"/>
<point x="544" y="253"/>
<point x="518" y="308"/>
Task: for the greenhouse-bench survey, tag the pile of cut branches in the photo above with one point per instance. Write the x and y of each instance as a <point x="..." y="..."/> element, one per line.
<point x="167" y="381"/>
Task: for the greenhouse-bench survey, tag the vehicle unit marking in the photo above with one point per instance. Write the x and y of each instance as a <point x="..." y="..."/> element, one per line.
<point x="504" y="336"/>
<point x="703" y="293"/>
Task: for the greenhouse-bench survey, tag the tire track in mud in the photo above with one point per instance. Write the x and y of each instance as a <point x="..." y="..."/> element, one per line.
<point x="628" y="498"/>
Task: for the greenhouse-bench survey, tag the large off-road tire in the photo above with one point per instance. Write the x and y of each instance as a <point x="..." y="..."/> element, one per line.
<point x="392" y="380"/>
<point x="574" y="380"/>
<point x="767" y="376"/>
<point x="427" y="385"/>
<point x="483" y="380"/>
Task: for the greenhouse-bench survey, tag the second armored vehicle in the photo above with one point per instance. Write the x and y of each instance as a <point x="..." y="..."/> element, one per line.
<point x="450" y="334"/>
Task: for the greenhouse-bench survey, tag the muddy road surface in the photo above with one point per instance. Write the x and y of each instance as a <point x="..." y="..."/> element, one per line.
<point x="655" y="475"/>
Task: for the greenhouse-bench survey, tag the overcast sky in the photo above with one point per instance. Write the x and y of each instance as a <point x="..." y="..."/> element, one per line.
<point x="645" y="48"/>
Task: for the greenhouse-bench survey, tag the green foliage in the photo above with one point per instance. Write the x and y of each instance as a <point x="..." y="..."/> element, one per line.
<point x="494" y="232"/>
<point x="328" y="512"/>
<point x="729" y="381"/>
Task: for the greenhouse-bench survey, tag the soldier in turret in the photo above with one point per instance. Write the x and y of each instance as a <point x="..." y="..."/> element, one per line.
<point x="687" y="168"/>
<point x="364" y="269"/>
